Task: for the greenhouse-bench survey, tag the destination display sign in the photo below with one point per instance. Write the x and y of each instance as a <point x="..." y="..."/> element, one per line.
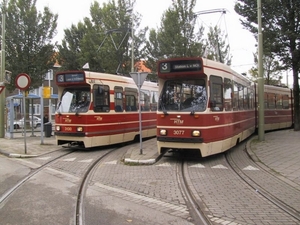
<point x="70" y="77"/>
<point x="180" y="66"/>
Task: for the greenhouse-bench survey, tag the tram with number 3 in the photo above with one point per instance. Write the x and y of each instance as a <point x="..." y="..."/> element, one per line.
<point x="206" y="106"/>
<point x="98" y="109"/>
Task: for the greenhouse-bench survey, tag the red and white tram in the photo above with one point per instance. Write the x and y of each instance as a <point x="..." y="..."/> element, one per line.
<point x="205" y="105"/>
<point x="97" y="109"/>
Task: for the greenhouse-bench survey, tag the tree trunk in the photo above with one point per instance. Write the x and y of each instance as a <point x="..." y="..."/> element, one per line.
<point x="296" y="101"/>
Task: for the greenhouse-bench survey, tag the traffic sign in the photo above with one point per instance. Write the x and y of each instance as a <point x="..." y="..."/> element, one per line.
<point x="1" y="88"/>
<point x="139" y="77"/>
<point x="23" y="81"/>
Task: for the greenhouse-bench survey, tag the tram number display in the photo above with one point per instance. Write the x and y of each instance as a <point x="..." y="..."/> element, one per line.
<point x="70" y="77"/>
<point x="180" y="66"/>
<point x="178" y="132"/>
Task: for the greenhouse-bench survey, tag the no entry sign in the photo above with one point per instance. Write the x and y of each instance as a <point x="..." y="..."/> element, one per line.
<point x="23" y="81"/>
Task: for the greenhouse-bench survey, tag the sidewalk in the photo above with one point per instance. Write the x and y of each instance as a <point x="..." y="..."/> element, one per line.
<point x="280" y="151"/>
<point x="34" y="145"/>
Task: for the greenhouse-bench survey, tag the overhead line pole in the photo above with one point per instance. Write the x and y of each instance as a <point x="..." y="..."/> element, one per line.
<point x="261" y="108"/>
<point x="2" y="95"/>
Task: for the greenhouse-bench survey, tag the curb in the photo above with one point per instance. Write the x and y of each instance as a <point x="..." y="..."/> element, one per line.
<point x="13" y="155"/>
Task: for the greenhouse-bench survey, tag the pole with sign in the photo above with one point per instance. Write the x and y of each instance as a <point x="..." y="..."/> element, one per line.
<point x="23" y="82"/>
<point x="139" y="79"/>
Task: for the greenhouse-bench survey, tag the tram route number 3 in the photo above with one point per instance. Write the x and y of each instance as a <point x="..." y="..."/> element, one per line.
<point x="178" y="132"/>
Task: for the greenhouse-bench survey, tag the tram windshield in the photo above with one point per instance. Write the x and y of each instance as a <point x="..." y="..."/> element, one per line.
<point x="183" y="95"/>
<point x="74" y="100"/>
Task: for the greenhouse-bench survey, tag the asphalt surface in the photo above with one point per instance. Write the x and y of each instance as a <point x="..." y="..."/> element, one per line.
<point x="280" y="151"/>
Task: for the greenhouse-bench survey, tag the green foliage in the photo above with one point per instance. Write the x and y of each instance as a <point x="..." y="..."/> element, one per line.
<point x="281" y="35"/>
<point x="28" y="40"/>
<point x="216" y="47"/>
<point x="102" y="41"/>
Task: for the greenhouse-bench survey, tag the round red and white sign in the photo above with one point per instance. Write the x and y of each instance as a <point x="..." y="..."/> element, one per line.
<point x="23" y="81"/>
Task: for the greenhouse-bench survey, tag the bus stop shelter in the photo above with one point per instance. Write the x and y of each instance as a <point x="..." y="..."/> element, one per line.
<point x="10" y="113"/>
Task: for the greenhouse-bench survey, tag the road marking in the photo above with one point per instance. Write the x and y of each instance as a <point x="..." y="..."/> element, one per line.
<point x="86" y="160"/>
<point x="221" y="221"/>
<point x="69" y="160"/>
<point x="164" y="164"/>
<point x="45" y="158"/>
<point x="250" y="168"/>
<point x="219" y="167"/>
<point x="198" y="165"/>
<point x="180" y="208"/>
<point x="112" y="162"/>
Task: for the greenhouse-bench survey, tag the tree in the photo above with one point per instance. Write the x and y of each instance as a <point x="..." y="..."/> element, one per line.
<point x="272" y="70"/>
<point x="104" y="40"/>
<point x="216" y="47"/>
<point x="28" y="41"/>
<point x="281" y="35"/>
<point x="176" y="37"/>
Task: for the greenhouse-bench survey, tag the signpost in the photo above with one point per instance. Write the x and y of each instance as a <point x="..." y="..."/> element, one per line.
<point x="139" y="79"/>
<point x="23" y="82"/>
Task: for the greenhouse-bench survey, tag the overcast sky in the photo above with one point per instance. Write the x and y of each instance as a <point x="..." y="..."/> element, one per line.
<point x="242" y="42"/>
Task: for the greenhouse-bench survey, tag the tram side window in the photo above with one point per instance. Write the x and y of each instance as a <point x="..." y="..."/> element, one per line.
<point x="131" y="99"/>
<point x="118" y="99"/>
<point x="101" y="98"/>
<point x="241" y="96"/>
<point x="251" y="99"/>
<point x="228" y="94"/>
<point x="271" y="101"/>
<point x="285" y="101"/>
<point x="145" y="100"/>
<point x="235" y="96"/>
<point x="266" y="100"/>
<point x="278" y="101"/>
<point x="246" y="98"/>
<point x="216" y="93"/>
<point x="154" y="100"/>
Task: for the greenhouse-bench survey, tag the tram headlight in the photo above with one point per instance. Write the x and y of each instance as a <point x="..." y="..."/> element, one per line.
<point x="57" y="128"/>
<point x="163" y="132"/>
<point x="79" y="129"/>
<point x="196" y="133"/>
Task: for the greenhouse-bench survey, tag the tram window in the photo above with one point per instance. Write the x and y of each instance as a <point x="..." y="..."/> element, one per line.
<point x="235" y="96"/>
<point x="77" y="99"/>
<point x="241" y="96"/>
<point x="118" y="98"/>
<point x="183" y="95"/>
<point x="101" y="98"/>
<point x="131" y="99"/>
<point x="251" y="99"/>
<point x="227" y="94"/>
<point x="246" y="98"/>
<point x="266" y="100"/>
<point x="153" y="100"/>
<point x="145" y="100"/>
<point x="216" y="93"/>
<point x="271" y="101"/>
<point x="285" y="101"/>
<point x="278" y="101"/>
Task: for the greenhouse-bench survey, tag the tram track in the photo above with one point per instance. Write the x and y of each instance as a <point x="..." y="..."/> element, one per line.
<point x="79" y="172"/>
<point x="82" y="187"/>
<point x="192" y="203"/>
<point x="9" y="192"/>
<point x="266" y="184"/>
